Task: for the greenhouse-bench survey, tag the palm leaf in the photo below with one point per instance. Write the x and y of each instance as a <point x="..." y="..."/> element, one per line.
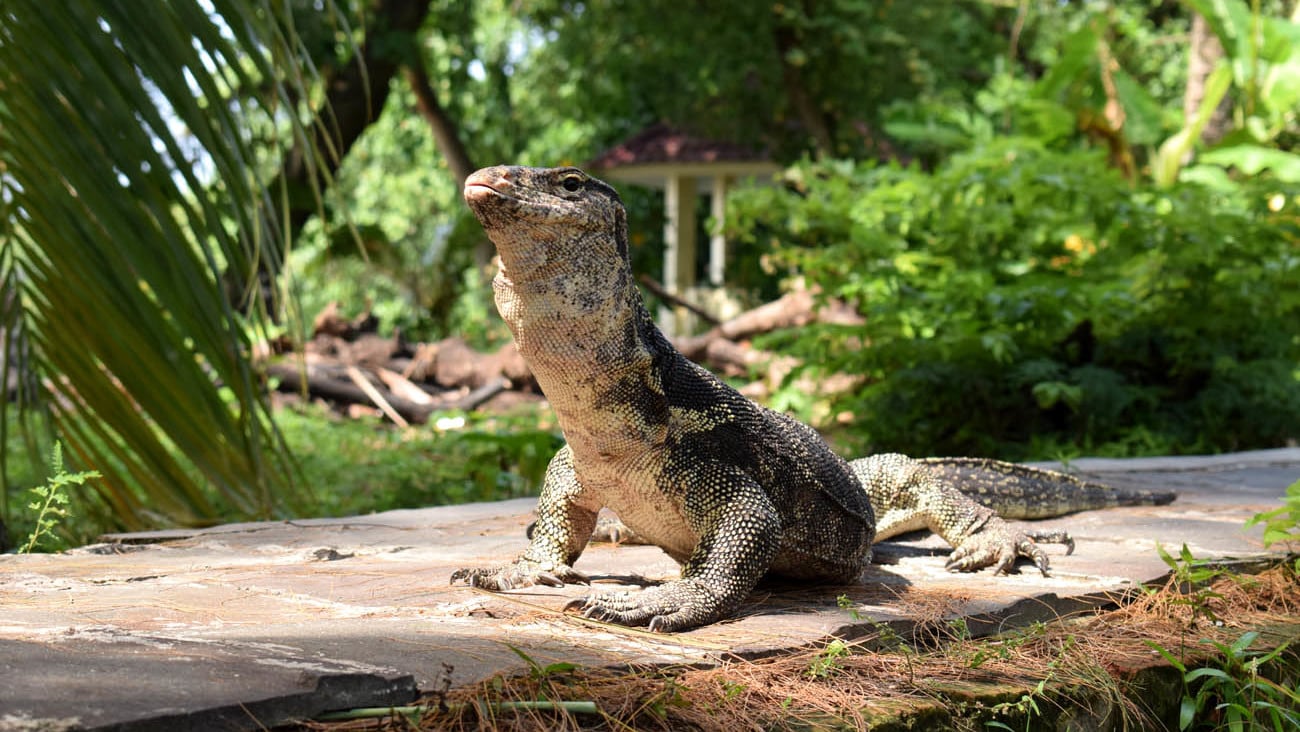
<point x="113" y="243"/>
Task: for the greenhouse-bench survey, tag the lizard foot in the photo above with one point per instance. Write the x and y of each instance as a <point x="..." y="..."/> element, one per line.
<point x="614" y="531"/>
<point x="609" y="529"/>
<point x="521" y="573"/>
<point x="999" y="543"/>
<point x="678" y="605"/>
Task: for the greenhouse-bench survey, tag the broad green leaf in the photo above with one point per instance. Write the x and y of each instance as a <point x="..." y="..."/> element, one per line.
<point x="1186" y="713"/>
<point x="1079" y="52"/>
<point x="1200" y="673"/>
<point x="1169" y="160"/>
<point x="1254" y="159"/>
<point x="1144" y="119"/>
<point x="1169" y="657"/>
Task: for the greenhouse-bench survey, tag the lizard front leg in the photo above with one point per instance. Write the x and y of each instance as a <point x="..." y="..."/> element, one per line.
<point x="564" y="524"/>
<point x="740" y="533"/>
<point x="908" y="495"/>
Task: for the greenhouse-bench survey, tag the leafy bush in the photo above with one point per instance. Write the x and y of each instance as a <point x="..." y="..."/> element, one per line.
<point x="1022" y="301"/>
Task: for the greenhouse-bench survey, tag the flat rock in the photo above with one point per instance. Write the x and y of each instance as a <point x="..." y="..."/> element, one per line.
<point x="249" y="625"/>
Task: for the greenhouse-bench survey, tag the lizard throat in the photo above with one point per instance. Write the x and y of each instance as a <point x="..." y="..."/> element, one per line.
<point x="577" y="341"/>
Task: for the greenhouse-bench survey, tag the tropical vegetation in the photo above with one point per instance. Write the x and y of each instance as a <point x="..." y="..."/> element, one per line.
<point x="1071" y="227"/>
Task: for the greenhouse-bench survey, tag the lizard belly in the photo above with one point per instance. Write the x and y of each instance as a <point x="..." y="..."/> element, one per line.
<point x="659" y="525"/>
<point x="627" y="485"/>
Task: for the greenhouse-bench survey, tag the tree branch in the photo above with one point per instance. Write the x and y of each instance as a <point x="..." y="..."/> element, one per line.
<point x="355" y="95"/>
<point x="446" y="133"/>
<point x="813" y="120"/>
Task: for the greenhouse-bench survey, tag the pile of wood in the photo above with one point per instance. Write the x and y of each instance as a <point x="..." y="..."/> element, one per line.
<point x="348" y="365"/>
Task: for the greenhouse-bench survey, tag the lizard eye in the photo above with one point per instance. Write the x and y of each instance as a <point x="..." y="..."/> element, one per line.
<point x="571" y="183"/>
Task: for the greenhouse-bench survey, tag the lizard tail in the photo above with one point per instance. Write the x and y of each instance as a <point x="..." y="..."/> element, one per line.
<point x="1021" y="492"/>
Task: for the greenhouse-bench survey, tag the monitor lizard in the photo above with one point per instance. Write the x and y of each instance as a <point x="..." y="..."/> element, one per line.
<point x="731" y="490"/>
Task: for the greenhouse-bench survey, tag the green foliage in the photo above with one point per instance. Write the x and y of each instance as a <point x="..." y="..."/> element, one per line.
<point x="1238" y="694"/>
<point x="352" y="467"/>
<point x="1073" y="61"/>
<point x="1262" y="64"/>
<point x="51" y="504"/>
<point x="1021" y="299"/>
<point x="1192" y="577"/>
<point x="1282" y="525"/>
<point x="828" y="659"/>
<point x="756" y="72"/>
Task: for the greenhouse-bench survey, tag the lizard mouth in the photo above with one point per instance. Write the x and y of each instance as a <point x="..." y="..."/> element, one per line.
<point x="481" y="192"/>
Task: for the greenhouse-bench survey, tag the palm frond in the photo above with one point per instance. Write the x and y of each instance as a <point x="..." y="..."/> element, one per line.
<point x="114" y="243"/>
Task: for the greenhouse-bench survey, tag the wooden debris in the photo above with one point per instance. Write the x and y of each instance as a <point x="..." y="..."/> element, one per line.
<point x="370" y="391"/>
<point x="362" y="373"/>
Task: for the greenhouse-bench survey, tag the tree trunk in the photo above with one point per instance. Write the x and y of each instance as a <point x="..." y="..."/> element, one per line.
<point x="814" y="121"/>
<point x="1204" y="52"/>
<point x="355" y="95"/>
<point x="446" y="133"/>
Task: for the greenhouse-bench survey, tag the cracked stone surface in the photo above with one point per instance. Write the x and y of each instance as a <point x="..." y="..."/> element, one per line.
<point x="249" y="625"/>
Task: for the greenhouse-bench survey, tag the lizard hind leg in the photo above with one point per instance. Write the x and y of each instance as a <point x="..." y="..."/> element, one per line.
<point x="1000" y="543"/>
<point x="908" y="494"/>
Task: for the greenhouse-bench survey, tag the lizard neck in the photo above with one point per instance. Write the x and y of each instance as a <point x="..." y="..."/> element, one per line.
<point x="584" y="343"/>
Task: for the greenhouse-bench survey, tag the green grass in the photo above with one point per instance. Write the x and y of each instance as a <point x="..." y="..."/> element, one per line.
<point x="347" y="467"/>
<point x="356" y="466"/>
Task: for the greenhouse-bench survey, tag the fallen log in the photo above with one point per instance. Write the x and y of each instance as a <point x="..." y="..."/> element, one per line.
<point x="672" y="300"/>
<point x="479" y="396"/>
<point x="376" y="397"/>
<point x="349" y="367"/>
<point x="403" y="387"/>
<point x="316" y="381"/>
<point x="346" y="385"/>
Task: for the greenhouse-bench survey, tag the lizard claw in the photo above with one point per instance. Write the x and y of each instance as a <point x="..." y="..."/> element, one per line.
<point x="522" y="573"/>
<point x="678" y="605"/>
<point x="1000" y="543"/>
<point x="577" y="603"/>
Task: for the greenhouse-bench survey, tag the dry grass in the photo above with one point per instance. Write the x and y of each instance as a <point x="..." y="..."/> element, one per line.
<point x="963" y="682"/>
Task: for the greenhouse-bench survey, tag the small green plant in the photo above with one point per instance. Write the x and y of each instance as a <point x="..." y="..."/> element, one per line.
<point x="1000" y="647"/>
<point x="1234" y="694"/>
<point x="888" y="639"/>
<point x="845" y="603"/>
<point x="52" y="498"/>
<point x="960" y="629"/>
<point x="1192" y="577"/>
<point x="732" y="689"/>
<point x="539" y="672"/>
<point x="1026" y="705"/>
<point x="670" y="697"/>
<point x="1282" y="525"/>
<point x="827" y="661"/>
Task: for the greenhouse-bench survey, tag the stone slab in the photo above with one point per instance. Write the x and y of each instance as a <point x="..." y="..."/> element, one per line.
<point x="249" y="625"/>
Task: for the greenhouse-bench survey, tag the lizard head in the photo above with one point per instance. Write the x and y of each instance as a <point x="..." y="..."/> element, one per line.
<point x="565" y="285"/>
<point x="542" y="218"/>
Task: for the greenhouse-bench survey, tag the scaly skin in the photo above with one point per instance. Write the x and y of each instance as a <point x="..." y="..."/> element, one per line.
<point x="731" y="490"/>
